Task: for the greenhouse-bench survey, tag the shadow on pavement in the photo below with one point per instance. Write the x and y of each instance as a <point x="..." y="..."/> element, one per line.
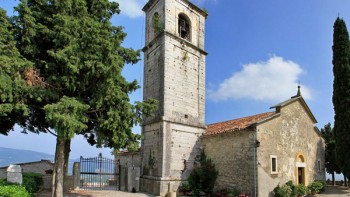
<point x="337" y="190"/>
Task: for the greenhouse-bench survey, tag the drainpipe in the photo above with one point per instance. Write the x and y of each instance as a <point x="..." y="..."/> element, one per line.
<point x="256" y="144"/>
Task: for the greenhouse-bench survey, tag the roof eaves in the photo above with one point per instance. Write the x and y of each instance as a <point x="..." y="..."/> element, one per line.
<point x="301" y="99"/>
<point x="318" y="132"/>
<point x="266" y="119"/>
<point x="284" y="103"/>
<point x="224" y="132"/>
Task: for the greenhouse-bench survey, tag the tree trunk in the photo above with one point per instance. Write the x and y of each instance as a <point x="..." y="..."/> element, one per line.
<point x="333" y="178"/>
<point x="345" y="181"/>
<point x="66" y="156"/>
<point x="58" y="177"/>
<point x="54" y="171"/>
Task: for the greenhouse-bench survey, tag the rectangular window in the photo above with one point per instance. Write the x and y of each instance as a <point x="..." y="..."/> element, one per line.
<point x="273" y="164"/>
<point x="318" y="165"/>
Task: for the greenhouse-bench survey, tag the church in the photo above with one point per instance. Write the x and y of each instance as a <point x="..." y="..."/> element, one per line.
<point x="253" y="154"/>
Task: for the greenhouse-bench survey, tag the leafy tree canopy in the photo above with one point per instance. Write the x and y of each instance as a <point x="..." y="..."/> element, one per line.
<point x="12" y="82"/>
<point x="75" y="84"/>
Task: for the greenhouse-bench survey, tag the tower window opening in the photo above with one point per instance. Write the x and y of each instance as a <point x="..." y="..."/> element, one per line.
<point x="184" y="27"/>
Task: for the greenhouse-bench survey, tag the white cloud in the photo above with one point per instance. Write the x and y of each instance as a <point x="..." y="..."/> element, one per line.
<point x="131" y="8"/>
<point x="273" y="80"/>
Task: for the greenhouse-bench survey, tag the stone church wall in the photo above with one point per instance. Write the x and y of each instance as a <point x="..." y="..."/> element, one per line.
<point x="287" y="136"/>
<point x="233" y="156"/>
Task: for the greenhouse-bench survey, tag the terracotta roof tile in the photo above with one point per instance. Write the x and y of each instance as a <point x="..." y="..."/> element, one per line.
<point x="236" y="124"/>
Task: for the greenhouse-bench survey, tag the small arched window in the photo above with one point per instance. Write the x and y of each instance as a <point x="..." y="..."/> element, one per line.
<point x="184" y="27"/>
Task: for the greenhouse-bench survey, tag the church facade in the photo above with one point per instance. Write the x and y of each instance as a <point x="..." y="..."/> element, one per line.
<point x="253" y="154"/>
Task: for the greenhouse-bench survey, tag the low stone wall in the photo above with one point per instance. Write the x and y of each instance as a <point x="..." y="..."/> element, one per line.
<point x="68" y="183"/>
<point x="36" y="167"/>
<point x="47" y="182"/>
<point x="3" y="173"/>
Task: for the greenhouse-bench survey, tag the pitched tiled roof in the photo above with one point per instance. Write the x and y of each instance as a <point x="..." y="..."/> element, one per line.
<point x="236" y="124"/>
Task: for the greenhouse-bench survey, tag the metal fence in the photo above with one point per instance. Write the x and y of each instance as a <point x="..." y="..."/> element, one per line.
<point x="99" y="173"/>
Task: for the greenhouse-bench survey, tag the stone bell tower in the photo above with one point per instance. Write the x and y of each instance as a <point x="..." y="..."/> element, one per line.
<point x="174" y="74"/>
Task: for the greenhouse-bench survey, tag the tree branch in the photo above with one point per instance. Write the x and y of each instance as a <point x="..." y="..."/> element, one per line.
<point x="48" y="130"/>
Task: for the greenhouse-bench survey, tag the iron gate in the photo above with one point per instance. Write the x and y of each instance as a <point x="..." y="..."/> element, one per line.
<point x="99" y="173"/>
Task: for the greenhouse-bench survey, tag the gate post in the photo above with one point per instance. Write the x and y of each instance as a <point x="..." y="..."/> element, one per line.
<point x="14" y="174"/>
<point x="119" y="175"/>
<point x="76" y="175"/>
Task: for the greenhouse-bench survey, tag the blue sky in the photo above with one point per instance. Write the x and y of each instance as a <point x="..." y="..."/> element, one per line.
<point x="258" y="52"/>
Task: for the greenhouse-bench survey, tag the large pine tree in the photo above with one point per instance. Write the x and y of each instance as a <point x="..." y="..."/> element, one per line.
<point x="341" y="94"/>
<point x="75" y="85"/>
<point x="12" y="80"/>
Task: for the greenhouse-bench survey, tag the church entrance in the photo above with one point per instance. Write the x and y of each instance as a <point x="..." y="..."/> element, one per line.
<point x="300" y="169"/>
<point x="301" y="172"/>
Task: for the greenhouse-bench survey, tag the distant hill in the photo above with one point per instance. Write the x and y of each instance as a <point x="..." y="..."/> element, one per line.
<point x="12" y="156"/>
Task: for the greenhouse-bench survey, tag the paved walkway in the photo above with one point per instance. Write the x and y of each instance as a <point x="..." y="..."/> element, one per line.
<point x="84" y="193"/>
<point x="332" y="191"/>
<point x="335" y="191"/>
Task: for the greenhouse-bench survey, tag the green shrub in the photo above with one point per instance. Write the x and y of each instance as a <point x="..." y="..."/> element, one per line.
<point x="283" y="191"/>
<point x="324" y="185"/>
<point x="185" y="187"/>
<point x="315" y="187"/>
<point x="32" y="182"/>
<point x="289" y="190"/>
<point x="3" y="182"/>
<point x="292" y="187"/>
<point x="232" y="192"/>
<point x="203" y="177"/>
<point x="300" y="190"/>
<point x="194" y="180"/>
<point x="13" y="191"/>
<point x="228" y="192"/>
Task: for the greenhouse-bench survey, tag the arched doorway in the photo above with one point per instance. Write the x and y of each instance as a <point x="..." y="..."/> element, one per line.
<point x="300" y="169"/>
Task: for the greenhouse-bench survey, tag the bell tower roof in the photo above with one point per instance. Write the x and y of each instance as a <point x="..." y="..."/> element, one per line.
<point x="197" y="9"/>
<point x="298" y="92"/>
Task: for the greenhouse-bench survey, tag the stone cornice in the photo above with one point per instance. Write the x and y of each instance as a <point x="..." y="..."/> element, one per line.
<point x="182" y="41"/>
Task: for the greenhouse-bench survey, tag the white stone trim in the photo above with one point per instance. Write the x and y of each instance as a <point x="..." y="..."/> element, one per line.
<point x="300" y="164"/>
<point x="273" y="158"/>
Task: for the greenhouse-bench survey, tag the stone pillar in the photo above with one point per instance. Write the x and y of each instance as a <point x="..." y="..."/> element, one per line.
<point x="14" y="174"/>
<point x="123" y="174"/>
<point x="76" y="175"/>
<point x="171" y="192"/>
<point x="133" y="178"/>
